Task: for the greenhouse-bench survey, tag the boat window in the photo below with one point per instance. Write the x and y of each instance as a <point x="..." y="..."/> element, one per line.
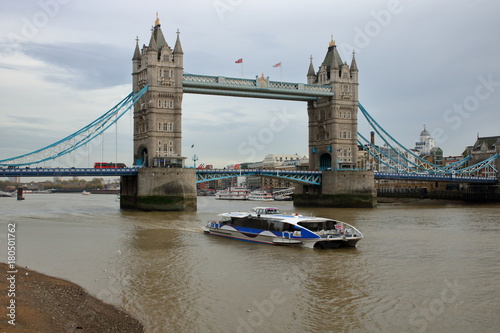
<point x="330" y="225"/>
<point x="250" y="222"/>
<point x="272" y="211"/>
<point x="275" y="225"/>
<point x="313" y="226"/>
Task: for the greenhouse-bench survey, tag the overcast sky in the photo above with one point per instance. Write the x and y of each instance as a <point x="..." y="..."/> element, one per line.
<point x="63" y="63"/>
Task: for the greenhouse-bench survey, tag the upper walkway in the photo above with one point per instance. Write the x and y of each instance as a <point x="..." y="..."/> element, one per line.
<point x="261" y="87"/>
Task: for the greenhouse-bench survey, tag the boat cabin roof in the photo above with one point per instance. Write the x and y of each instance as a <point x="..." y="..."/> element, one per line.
<point x="265" y="210"/>
<point x="275" y="214"/>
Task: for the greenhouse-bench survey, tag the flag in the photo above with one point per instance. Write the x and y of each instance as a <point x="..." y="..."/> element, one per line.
<point x="278" y="64"/>
<point x="239" y="61"/>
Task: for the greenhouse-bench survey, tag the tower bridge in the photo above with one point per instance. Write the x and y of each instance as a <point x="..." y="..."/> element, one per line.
<point x="161" y="182"/>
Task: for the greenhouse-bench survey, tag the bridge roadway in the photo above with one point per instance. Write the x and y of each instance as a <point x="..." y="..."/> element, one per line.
<point x="204" y="175"/>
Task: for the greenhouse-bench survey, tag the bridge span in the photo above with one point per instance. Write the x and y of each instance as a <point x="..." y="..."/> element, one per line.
<point x="205" y="175"/>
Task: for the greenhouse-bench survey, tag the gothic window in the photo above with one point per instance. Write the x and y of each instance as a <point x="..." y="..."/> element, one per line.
<point x="171" y="104"/>
<point x="165" y="57"/>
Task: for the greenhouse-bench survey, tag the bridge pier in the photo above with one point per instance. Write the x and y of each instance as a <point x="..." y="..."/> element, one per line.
<point x="339" y="188"/>
<point x="159" y="189"/>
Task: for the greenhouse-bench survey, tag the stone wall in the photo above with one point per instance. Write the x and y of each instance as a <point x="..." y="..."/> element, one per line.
<point x="159" y="189"/>
<point x="349" y="188"/>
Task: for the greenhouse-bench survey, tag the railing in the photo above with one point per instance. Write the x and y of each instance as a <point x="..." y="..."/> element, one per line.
<point x="435" y="177"/>
<point x="61" y="172"/>
<point x="306" y="177"/>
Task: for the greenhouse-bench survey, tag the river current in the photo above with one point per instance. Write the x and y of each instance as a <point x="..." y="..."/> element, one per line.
<point x="419" y="268"/>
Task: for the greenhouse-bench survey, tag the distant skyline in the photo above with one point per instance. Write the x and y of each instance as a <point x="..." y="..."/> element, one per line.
<point x="63" y="63"/>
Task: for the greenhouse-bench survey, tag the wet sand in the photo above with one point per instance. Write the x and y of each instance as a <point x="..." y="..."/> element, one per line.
<point x="47" y="304"/>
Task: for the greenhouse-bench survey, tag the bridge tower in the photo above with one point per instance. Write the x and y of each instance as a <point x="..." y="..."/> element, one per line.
<point x="333" y="148"/>
<point x="333" y="120"/>
<point x="157" y="116"/>
<point x="162" y="183"/>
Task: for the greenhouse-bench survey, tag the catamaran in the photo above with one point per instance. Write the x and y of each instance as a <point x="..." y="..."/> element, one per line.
<point x="268" y="225"/>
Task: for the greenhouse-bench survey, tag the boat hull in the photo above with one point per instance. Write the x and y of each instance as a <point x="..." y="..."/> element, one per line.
<point x="268" y="237"/>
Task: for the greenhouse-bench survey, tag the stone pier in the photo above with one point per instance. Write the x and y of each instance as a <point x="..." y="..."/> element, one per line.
<point x="343" y="189"/>
<point x="159" y="189"/>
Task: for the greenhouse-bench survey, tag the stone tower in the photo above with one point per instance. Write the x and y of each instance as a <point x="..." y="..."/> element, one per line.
<point x="333" y="124"/>
<point x="157" y="115"/>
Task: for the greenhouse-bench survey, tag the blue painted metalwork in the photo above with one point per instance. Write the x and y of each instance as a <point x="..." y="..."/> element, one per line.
<point x="204" y="175"/>
<point x="436" y="177"/>
<point x="61" y="172"/>
<point x="305" y="177"/>
<point x="80" y="137"/>
<point x="400" y="161"/>
<point x="258" y="88"/>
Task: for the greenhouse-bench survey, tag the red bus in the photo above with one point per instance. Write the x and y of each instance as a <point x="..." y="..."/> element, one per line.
<point x="109" y="165"/>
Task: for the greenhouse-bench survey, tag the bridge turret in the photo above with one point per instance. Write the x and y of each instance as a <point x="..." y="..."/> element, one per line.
<point x="136" y="65"/>
<point x="333" y="120"/>
<point x="157" y="116"/>
<point x="311" y="75"/>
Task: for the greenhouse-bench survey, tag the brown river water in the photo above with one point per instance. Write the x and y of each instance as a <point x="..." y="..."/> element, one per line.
<point x="418" y="269"/>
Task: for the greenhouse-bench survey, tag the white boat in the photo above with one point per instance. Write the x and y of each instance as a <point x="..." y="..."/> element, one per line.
<point x="282" y="197"/>
<point x="85" y="192"/>
<point x="268" y="225"/>
<point x="260" y="195"/>
<point x="7" y="194"/>
<point x="233" y="193"/>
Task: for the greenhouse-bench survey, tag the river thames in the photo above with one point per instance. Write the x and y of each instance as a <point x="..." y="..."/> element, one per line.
<point x="419" y="268"/>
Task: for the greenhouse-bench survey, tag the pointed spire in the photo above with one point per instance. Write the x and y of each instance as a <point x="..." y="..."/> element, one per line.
<point x="178" y="47"/>
<point x="354" y="66"/>
<point x="137" y="52"/>
<point x="157" y="35"/>
<point x="311" y="72"/>
<point x="152" y="41"/>
<point x="332" y="41"/>
<point x="157" y="21"/>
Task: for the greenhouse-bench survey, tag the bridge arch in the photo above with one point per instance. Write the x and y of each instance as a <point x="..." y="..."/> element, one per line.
<point x="325" y="161"/>
<point x="142" y="156"/>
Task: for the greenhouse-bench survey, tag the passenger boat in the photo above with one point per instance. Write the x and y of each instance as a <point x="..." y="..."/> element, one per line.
<point x="233" y="193"/>
<point x="85" y="192"/>
<point x="268" y="225"/>
<point x="260" y="195"/>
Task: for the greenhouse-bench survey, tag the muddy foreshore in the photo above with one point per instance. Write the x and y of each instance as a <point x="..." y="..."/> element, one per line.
<point x="36" y="302"/>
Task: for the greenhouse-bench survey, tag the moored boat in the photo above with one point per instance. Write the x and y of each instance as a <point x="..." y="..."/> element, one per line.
<point x="233" y="193"/>
<point x="260" y="195"/>
<point x="268" y="225"/>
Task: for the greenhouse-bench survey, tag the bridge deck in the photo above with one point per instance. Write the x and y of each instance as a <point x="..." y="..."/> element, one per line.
<point x="203" y="175"/>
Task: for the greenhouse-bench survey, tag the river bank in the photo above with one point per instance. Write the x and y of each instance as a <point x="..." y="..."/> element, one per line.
<point x="48" y="304"/>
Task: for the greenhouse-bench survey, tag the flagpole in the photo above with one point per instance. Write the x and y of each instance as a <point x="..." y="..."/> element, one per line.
<point x="281" y="72"/>
<point x="242" y="69"/>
